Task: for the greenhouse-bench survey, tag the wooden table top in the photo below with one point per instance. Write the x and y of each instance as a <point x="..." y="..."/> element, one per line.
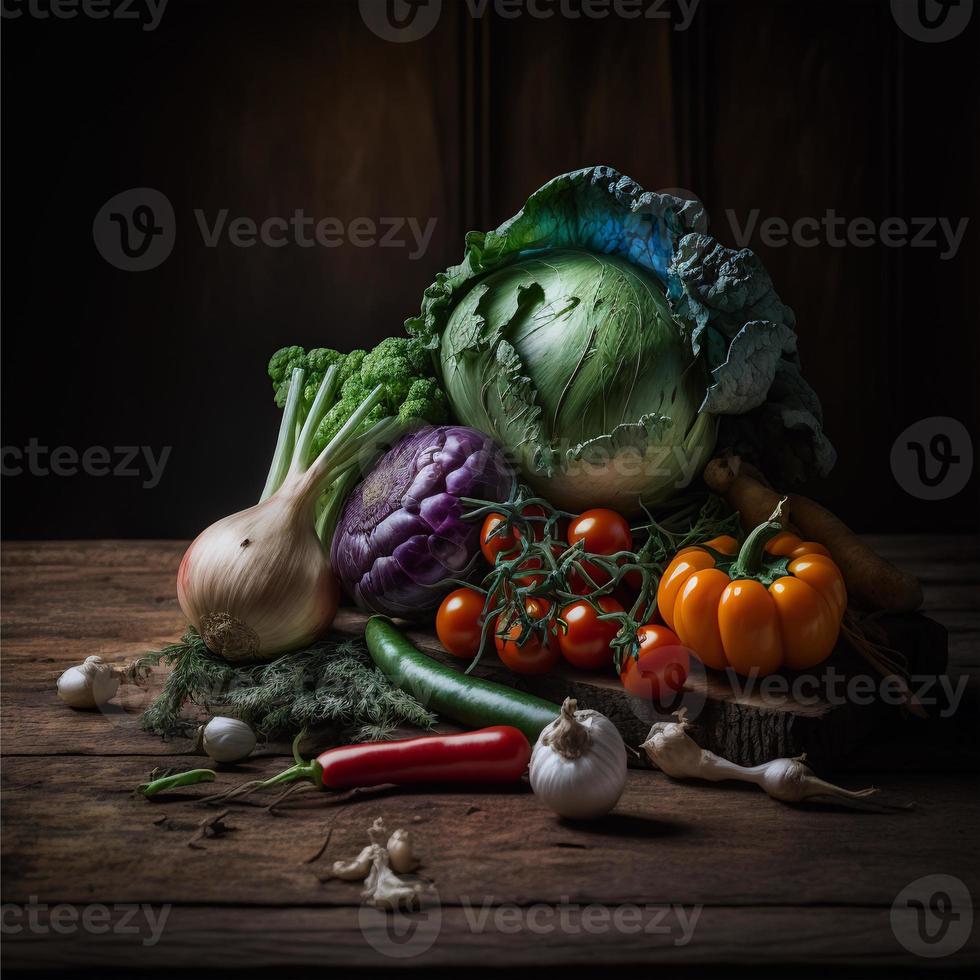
<point x="688" y="876"/>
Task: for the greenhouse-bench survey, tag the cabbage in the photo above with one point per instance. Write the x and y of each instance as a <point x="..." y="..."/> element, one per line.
<point x="606" y="342"/>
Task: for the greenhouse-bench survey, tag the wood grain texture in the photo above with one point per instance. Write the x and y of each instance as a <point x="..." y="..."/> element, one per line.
<point x="312" y="941"/>
<point x="776" y="885"/>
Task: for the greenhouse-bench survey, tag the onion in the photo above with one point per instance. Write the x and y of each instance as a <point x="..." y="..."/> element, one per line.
<point x="260" y="583"/>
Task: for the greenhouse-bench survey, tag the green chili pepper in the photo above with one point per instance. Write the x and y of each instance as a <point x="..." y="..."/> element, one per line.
<point x="188" y="778"/>
<point x="470" y="700"/>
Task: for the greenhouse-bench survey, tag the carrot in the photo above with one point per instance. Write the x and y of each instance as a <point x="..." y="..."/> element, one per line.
<point x="871" y="581"/>
<point x="745" y="492"/>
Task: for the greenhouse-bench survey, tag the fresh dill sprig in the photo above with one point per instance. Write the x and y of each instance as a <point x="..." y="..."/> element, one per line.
<point x="332" y="683"/>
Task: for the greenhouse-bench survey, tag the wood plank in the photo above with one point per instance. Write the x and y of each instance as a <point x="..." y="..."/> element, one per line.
<point x="697" y="843"/>
<point x="309" y="941"/>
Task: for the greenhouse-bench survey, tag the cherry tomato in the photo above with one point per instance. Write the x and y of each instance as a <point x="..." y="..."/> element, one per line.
<point x="537" y="527"/>
<point x="604" y="532"/>
<point x="534" y="565"/>
<point x="458" y="622"/>
<point x="507" y="541"/>
<point x="529" y="565"/>
<point x="584" y="639"/>
<point x="661" y="665"/>
<point x="539" y="654"/>
<point x="502" y="543"/>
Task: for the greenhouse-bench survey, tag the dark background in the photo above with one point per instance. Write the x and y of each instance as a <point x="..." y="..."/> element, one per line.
<point x="791" y="107"/>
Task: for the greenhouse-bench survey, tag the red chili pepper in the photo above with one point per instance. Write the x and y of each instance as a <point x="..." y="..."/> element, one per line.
<point x="490" y="755"/>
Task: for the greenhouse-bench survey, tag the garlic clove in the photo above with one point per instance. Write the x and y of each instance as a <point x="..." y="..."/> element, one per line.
<point x="402" y="857"/>
<point x="227" y="739"/>
<point x="89" y="685"/>
<point x="359" y="868"/>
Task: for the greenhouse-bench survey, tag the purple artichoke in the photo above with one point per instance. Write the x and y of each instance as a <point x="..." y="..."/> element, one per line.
<point x="402" y="535"/>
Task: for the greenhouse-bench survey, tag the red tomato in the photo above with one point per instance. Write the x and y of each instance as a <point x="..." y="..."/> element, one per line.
<point x="534" y="565"/>
<point x="539" y="654"/>
<point x="537" y="527"/>
<point x="458" y="622"/>
<point x="661" y="665"/>
<point x="584" y="639"/>
<point x="604" y="532"/>
<point x="507" y="541"/>
<point x="530" y="565"/>
<point x="502" y="543"/>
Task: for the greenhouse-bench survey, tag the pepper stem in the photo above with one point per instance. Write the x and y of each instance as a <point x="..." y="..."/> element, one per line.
<point x="569" y="737"/>
<point x="299" y="771"/>
<point x="749" y="561"/>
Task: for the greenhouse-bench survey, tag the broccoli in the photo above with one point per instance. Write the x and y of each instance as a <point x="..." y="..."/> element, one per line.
<point x="392" y="389"/>
<point x="281" y="370"/>
<point x="317" y="362"/>
<point x="426" y="401"/>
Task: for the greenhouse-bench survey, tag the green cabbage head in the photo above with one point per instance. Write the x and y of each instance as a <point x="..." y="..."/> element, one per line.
<point x="608" y="344"/>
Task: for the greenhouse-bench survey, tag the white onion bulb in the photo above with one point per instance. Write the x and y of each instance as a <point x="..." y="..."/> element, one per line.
<point x="259" y="583"/>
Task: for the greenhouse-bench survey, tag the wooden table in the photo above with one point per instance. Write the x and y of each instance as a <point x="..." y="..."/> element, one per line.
<point x="687" y="876"/>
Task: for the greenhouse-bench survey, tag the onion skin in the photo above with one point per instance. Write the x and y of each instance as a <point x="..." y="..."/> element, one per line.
<point x="402" y="535"/>
<point x="259" y="583"/>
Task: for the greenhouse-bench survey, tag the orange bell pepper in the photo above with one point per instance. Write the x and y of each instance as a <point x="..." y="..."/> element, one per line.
<point x="775" y="602"/>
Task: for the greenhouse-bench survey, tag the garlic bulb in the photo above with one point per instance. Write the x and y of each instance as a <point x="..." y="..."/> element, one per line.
<point x="227" y="739"/>
<point x="90" y="684"/>
<point x="578" y="766"/>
